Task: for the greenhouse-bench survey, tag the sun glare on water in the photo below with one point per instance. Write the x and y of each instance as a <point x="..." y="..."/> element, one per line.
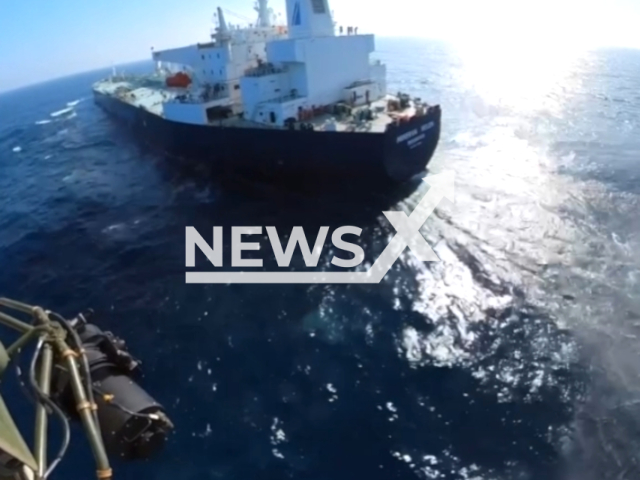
<point x="518" y="65"/>
<point x="517" y="56"/>
<point x="517" y="75"/>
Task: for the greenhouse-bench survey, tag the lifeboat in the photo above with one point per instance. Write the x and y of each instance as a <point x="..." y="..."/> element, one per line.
<point x="180" y="79"/>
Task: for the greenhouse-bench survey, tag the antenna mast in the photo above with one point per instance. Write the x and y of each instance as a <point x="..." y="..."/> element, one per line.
<point x="222" y="32"/>
<point x="263" y="10"/>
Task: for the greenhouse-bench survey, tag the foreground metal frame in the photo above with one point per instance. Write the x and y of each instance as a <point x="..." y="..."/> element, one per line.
<point x="55" y="350"/>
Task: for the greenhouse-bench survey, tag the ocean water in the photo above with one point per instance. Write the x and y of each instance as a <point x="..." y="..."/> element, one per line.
<point x="514" y="357"/>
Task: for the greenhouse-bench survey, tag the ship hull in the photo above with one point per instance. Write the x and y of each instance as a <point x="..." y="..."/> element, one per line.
<point x="299" y="157"/>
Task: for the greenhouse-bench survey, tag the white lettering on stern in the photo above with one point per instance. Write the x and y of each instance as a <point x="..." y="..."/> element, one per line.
<point x="406" y="136"/>
<point x="409" y="136"/>
<point x="427" y="126"/>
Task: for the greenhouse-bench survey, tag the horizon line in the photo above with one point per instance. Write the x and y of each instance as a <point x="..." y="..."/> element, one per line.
<point x="131" y="62"/>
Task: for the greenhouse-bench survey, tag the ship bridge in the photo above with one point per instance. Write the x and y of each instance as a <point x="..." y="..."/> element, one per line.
<point x="313" y="69"/>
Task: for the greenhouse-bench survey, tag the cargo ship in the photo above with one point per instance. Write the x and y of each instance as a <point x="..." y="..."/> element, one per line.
<point x="300" y="102"/>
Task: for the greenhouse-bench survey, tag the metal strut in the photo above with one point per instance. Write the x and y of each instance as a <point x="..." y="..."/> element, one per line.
<point x="51" y="349"/>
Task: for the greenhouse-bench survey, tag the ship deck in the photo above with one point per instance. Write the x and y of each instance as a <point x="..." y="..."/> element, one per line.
<point x="150" y="92"/>
<point x="323" y="122"/>
<point x="381" y="118"/>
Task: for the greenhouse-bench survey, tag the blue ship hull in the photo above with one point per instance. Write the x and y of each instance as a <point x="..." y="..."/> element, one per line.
<point x="295" y="157"/>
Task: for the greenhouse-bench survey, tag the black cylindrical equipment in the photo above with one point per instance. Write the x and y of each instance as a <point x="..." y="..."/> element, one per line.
<point x="133" y="424"/>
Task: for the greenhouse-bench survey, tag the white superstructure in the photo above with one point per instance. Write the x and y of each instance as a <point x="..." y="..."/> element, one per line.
<point x="311" y="69"/>
<point x="266" y="75"/>
<point x="229" y="53"/>
<point x="216" y="67"/>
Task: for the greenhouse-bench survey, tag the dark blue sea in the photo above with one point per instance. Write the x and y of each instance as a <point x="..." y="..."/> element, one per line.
<point x="516" y="357"/>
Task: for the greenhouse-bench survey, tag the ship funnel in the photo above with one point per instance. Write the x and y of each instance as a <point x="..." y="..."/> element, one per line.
<point x="309" y="18"/>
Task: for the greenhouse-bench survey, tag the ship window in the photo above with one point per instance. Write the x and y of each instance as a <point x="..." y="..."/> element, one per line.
<point x="272" y="117"/>
<point x="318" y="6"/>
<point x="236" y="87"/>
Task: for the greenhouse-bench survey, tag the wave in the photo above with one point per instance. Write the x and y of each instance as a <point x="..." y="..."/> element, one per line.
<point x="43" y="122"/>
<point x="74" y="102"/>
<point x="17" y="149"/>
<point x="12" y="134"/>
<point x="61" y="112"/>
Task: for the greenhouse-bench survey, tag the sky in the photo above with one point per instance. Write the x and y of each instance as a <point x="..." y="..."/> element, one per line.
<point x="44" y="39"/>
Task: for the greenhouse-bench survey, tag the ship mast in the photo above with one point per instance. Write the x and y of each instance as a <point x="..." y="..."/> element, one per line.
<point x="264" y="12"/>
<point x="222" y="33"/>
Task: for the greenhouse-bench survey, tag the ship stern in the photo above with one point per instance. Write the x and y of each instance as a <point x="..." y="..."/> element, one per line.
<point x="410" y="144"/>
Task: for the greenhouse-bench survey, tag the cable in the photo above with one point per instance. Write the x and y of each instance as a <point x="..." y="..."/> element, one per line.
<point x="84" y="364"/>
<point x="23" y="385"/>
<point x="237" y="15"/>
<point x="107" y="396"/>
<point x="45" y="399"/>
